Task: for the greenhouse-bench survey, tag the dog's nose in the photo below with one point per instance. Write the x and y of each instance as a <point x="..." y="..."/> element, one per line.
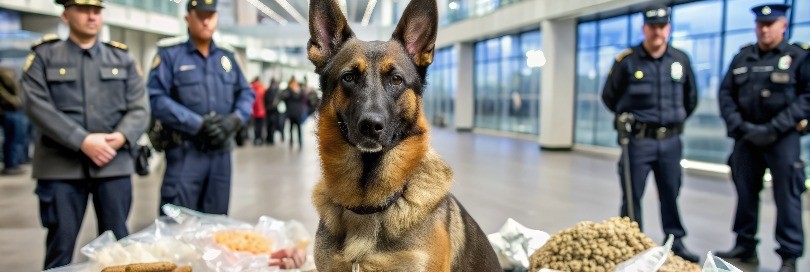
<point x="372" y="125"/>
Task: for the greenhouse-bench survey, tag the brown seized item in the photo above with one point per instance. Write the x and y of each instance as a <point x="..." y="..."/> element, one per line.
<point x="591" y="247"/>
<point x="151" y="267"/>
<point x="248" y="241"/>
<point x="185" y="268"/>
<point x="119" y="268"/>
<point x="675" y="263"/>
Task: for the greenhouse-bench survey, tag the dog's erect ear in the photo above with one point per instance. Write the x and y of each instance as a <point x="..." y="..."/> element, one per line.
<point x="328" y="30"/>
<point x="417" y="30"/>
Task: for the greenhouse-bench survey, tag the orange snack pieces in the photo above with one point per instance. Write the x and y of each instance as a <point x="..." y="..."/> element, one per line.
<point x="247" y="241"/>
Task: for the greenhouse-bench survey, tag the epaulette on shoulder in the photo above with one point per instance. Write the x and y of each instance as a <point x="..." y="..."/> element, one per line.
<point x="802" y="45"/>
<point x="167" y="42"/>
<point x="49" y="38"/>
<point x="624" y="54"/>
<point x="117" y="45"/>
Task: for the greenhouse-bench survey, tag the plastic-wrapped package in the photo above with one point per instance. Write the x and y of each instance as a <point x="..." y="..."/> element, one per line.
<point x="187" y="238"/>
<point x="650" y="260"/>
<point x="514" y="243"/>
<point x="715" y="264"/>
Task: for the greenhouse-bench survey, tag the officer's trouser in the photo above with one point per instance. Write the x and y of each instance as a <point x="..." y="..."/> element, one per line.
<point x="197" y="180"/>
<point x="748" y="164"/>
<point x="62" y="204"/>
<point x="663" y="157"/>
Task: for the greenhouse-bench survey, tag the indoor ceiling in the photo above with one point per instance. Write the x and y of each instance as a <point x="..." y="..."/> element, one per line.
<point x="293" y="11"/>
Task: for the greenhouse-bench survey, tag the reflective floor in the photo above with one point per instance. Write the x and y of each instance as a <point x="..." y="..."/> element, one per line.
<point x="496" y="178"/>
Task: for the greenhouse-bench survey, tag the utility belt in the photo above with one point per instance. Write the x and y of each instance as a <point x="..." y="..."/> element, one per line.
<point x="653" y="131"/>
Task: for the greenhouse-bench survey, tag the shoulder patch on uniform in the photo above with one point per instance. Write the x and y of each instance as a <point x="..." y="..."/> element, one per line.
<point x="117" y="45"/>
<point x="624" y="54"/>
<point x="802" y="45"/>
<point x="167" y="42"/>
<point x="49" y="38"/>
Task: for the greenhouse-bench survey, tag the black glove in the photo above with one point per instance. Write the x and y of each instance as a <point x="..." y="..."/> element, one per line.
<point x="212" y="134"/>
<point x="230" y="124"/>
<point x="759" y="135"/>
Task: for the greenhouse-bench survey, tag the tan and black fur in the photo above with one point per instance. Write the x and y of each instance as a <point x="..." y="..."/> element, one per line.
<point x="384" y="200"/>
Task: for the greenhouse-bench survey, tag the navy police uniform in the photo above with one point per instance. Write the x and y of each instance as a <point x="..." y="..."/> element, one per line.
<point x="68" y="93"/>
<point x="186" y="90"/>
<point x="762" y="106"/>
<point x="660" y="93"/>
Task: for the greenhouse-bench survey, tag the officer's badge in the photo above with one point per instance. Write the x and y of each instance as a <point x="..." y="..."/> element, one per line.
<point x="784" y="62"/>
<point x="766" y="10"/>
<point x="677" y="70"/>
<point x="208" y="2"/>
<point x="226" y="64"/>
<point x="156" y="61"/>
<point x="28" y="61"/>
<point x="639" y="74"/>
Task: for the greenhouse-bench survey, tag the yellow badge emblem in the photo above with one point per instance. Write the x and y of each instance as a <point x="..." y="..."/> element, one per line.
<point x="639" y="74"/>
<point x="156" y="61"/>
<point x="766" y="10"/>
<point x="226" y="64"/>
<point x="28" y="61"/>
<point x="209" y="2"/>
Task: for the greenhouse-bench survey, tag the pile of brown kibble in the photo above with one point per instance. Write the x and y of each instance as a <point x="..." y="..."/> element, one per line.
<point x="599" y="247"/>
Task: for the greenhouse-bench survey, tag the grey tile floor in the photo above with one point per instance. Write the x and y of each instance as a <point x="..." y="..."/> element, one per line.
<point x="496" y="178"/>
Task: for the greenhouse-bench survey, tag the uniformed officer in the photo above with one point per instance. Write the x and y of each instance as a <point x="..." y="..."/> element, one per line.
<point x="761" y="108"/>
<point x="89" y="103"/>
<point x="198" y="91"/>
<point x="654" y="82"/>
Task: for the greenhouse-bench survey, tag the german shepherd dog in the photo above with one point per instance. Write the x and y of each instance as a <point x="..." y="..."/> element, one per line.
<point x="383" y="200"/>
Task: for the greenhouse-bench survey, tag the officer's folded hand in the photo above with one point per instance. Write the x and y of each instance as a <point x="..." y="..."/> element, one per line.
<point x="96" y="148"/>
<point x="212" y="132"/>
<point x="759" y="135"/>
<point x="231" y="123"/>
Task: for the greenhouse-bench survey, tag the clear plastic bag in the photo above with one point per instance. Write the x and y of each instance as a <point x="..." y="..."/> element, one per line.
<point x="650" y="260"/>
<point x="715" y="264"/>
<point x="514" y="243"/>
<point x="186" y="237"/>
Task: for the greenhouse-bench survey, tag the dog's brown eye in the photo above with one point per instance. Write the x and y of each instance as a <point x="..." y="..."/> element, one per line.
<point x="348" y="77"/>
<point x="396" y="80"/>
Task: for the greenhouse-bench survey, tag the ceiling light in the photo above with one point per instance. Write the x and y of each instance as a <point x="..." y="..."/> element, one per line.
<point x="292" y="11"/>
<point x="367" y="14"/>
<point x="267" y="11"/>
<point x="453" y="5"/>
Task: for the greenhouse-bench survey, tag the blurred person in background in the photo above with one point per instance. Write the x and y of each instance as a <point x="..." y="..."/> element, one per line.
<point x="275" y="118"/>
<point x="15" y="128"/>
<point x="258" y="111"/>
<point x="295" y="100"/>
<point x="89" y="104"/>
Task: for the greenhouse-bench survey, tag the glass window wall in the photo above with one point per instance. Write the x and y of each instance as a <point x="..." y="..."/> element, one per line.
<point x="507" y="83"/>
<point x="439" y="96"/>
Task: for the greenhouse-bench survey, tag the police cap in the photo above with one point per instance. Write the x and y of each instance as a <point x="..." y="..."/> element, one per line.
<point x="206" y="5"/>
<point x="770" y="12"/>
<point x="68" y="3"/>
<point x="656" y="14"/>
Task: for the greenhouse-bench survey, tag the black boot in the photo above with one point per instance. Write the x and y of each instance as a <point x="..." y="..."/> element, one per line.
<point x="746" y="255"/>
<point x="679" y="249"/>
<point x="788" y="264"/>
